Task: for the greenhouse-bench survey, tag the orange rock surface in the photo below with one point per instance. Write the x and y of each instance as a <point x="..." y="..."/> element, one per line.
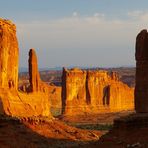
<point x="94" y="92"/>
<point x="8" y="55"/>
<point x="12" y="102"/>
<point x="36" y="85"/>
<point x="55" y="96"/>
<point x="39" y="133"/>
<point x="33" y="71"/>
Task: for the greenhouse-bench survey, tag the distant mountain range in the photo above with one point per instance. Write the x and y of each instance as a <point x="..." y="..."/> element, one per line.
<point x="24" y="69"/>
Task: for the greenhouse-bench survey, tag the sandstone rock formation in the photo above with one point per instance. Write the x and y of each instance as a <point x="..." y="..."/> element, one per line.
<point x="55" y="96"/>
<point x="36" y="85"/>
<point x="125" y="128"/>
<point x="141" y="89"/>
<point x="33" y="71"/>
<point x="94" y="92"/>
<point x="73" y="90"/>
<point x="8" y="55"/>
<point x="12" y="102"/>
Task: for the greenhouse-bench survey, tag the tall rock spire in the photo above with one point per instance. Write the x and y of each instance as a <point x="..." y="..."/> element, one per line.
<point x="141" y="89"/>
<point x="33" y="71"/>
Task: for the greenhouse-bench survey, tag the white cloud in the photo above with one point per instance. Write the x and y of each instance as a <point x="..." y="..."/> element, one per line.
<point x="135" y="14"/>
<point x="75" y="14"/>
<point x="99" y="15"/>
<point x="139" y="16"/>
<point x="76" y="39"/>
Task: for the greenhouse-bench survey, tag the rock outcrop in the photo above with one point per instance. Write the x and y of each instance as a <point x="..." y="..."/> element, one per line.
<point x="55" y="96"/>
<point x="8" y="55"/>
<point x="94" y="92"/>
<point x="13" y="102"/>
<point x="141" y="89"/>
<point x="125" y="128"/>
<point x="33" y="71"/>
<point x="36" y="85"/>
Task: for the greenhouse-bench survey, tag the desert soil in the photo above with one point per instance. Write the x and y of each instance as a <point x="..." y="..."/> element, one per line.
<point x="54" y="133"/>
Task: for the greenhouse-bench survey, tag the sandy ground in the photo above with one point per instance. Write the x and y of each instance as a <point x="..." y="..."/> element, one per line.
<point x="14" y="133"/>
<point x="134" y="138"/>
<point x="104" y="118"/>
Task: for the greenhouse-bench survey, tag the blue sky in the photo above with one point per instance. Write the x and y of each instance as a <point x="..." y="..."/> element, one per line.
<point x="45" y="9"/>
<point x="77" y="32"/>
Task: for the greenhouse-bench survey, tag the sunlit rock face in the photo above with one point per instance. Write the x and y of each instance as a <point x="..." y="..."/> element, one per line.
<point x="36" y="85"/>
<point x="55" y="96"/>
<point x="141" y="89"/>
<point x="33" y="71"/>
<point x="39" y="90"/>
<point x="8" y="55"/>
<point x="12" y="102"/>
<point x="94" y="92"/>
<point x="73" y="91"/>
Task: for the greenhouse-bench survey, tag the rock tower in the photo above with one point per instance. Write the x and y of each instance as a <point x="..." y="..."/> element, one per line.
<point x="8" y="55"/>
<point x="141" y="89"/>
<point x="34" y="76"/>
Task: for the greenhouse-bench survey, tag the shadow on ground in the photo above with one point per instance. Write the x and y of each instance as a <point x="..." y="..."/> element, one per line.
<point x="20" y="134"/>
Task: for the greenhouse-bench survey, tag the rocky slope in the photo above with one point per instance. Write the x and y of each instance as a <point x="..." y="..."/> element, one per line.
<point x="43" y="133"/>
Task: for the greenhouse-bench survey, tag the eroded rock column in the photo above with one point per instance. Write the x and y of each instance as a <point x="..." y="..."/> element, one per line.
<point x="73" y="91"/>
<point x="141" y="89"/>
<point x="34" y="76"/>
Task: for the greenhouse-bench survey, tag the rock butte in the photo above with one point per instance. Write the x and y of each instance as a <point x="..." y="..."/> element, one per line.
<point x="13" y="102"/>
<point x="94" y="92"/>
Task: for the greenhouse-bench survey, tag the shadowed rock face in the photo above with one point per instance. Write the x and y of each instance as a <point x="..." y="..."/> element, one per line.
<point x="141" y="89"/>
<point x="142" y="46"/>
<point x="94" y="92"/>
<point x="12" y="102"/>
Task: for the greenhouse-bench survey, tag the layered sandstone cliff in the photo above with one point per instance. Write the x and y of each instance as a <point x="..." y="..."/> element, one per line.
<point x="12" y="102"/>
<point x="94" y="92"/>
<point x="8" y="55"/>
